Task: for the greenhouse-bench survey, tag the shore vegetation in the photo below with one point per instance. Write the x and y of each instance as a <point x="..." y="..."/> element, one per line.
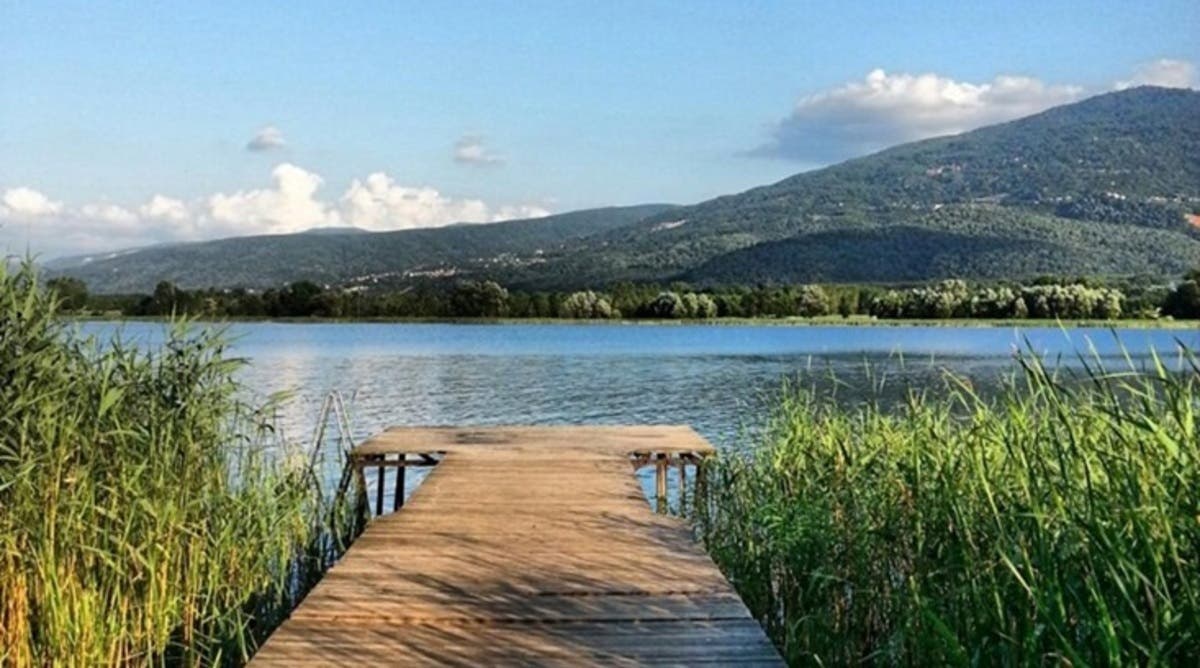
<point x="148" y="515"/>
<point x="1047" y="298"/>
<point x="1054" y="523"/>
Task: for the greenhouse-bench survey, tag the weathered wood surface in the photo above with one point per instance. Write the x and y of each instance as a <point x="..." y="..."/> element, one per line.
<point x="531" y="546"/>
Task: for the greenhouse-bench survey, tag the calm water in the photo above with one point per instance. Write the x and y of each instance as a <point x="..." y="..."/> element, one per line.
<point x="716" y="378"/>
<point x="711" y="377"/>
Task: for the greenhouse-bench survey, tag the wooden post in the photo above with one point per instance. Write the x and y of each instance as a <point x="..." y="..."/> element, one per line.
<point x="682" y="483"/>
<point x="660" y="482"/>
<point x="380" y="483"/>
<point x="398" y="497"/>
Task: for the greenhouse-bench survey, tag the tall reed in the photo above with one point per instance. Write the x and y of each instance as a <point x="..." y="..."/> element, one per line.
<point x="141" y="519"/>
<point x="1056" y="523"/>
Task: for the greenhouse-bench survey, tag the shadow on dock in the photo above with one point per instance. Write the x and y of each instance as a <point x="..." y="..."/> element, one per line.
<point x="535" y="549"/>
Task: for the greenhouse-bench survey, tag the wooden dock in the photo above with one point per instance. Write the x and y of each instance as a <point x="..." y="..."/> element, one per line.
<point x="525" y="545"/>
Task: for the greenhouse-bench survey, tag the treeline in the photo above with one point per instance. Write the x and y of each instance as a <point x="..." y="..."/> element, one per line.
<point x="1045" y="298"/>
<point x="954" y="299"/>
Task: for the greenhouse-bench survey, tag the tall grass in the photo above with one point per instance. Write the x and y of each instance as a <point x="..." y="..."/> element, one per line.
<point x="1055" y="524"/>
<point x="141" y="520"/>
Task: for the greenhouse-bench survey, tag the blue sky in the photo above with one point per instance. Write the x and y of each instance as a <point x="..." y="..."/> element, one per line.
<point x="493" y="109"/>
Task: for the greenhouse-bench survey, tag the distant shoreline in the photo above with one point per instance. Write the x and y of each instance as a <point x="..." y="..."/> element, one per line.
<point x="822" y="321"/>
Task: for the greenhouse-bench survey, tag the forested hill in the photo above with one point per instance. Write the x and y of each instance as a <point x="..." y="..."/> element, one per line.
<point x="1099" y="186"/>
<point x="349" y="256"/>
<point x="1106" y="186"/>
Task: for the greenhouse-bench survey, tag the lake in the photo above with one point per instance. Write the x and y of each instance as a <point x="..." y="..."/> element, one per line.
<point x="712" y="377"/>
<point x="717" y="378"/>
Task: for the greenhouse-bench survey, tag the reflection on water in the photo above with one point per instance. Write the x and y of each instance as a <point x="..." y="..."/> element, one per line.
<point x="715" y="378"/>
<point x="716" y="394"/>
<point x="711" y="377"/>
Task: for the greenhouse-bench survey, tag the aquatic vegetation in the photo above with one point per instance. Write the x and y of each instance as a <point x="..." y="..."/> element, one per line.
<point x="144" y="518"/>
<point x="1055" y="523"/>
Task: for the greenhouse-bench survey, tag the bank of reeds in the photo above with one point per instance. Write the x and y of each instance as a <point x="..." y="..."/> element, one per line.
<point x="1055" y="524"/>
<point x="141" y="519"/>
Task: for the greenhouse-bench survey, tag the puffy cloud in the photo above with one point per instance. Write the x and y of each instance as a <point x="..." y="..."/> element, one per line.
<point x="472" y="150"/>
<point x="165" y="208"/>
<point x="108" y="213"/>
<point x="92" y="227"/>
<point x="27" y="203"/>
<point x="885" y="109"/>
<point x="268" y="138"/>
<point x="379" y="203"/>
<point x="890" y="108"/>
<point x="1162" y="72"/>
<point x="290" y="204"/>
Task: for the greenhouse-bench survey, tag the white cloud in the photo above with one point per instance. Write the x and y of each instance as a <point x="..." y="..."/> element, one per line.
<point x="165" y="208"/>
<point x="379" y="203"/>
<point x="885" y="109"/>
<point x="292" y="203"/>
<point x="291" y="206"/>
<point x="1162" y="72"/>
<point x="891" y="108"/>
<point x="268" y="138"/>
<point x="108" y="213"/>
<point x="91" y="227"/>
<point x="27" y="203"/>
<point x="472" y="150"/>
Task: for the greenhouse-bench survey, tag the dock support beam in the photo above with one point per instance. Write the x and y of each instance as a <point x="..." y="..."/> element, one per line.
<point x="682" y="463"/>
<point x="382" y="463"/>
<point x="398" y="495"/>
<point x="660" y="482"/>
<point x="380" y="483"/>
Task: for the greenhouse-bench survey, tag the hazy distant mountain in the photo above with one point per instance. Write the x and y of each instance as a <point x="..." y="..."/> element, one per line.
<point x="1102" y="186"/>
<point x="346" y="255"/>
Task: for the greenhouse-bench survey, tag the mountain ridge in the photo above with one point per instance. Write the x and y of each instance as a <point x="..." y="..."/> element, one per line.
<point x="1100" y="186"/>
<point x="337" y="256"/>
<point x="1106" y="159"/>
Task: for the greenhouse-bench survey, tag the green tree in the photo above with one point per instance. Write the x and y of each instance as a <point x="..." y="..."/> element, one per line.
<point x="299" y="299"/>
<point x="847" y="303"/>
<point x="166" y="299"/>
<point x="667" y="305"/>
<point x="330" y="304"/>
<point x="812" y="301"/>
<point x="1184" y="300"/>
<point x="72" y="291"/>
<point x="479" y="299"/>
<point x="586" y="305"/>
<point x="705" y="307"/>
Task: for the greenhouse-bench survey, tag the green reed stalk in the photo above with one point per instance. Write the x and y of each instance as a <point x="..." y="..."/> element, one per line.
<point x="1057" y="523"/>
<point x="142" y="519"/>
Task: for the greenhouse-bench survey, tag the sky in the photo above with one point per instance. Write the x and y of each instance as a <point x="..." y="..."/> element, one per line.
<point x="124" y="124"/>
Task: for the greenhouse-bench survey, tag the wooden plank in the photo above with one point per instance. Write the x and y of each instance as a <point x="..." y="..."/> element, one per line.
<point x="525" y="545"/>
<point x="584" y="442"/>
<point x="666" y="643"/>
<point x="691" y="643"/>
